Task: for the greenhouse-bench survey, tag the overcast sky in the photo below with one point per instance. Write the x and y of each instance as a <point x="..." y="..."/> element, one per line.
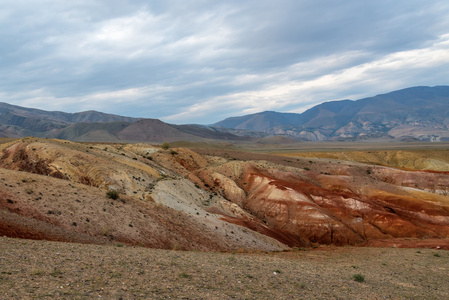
<point x="200" y="61"/>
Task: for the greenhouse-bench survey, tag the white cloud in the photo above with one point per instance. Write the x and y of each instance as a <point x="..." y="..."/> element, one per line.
<point x="390" y="72"/>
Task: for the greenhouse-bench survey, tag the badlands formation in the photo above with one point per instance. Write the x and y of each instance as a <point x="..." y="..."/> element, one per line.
<point x="221" y="200"/>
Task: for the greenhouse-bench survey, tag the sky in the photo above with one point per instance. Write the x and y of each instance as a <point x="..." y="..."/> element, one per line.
<point x="201" y="61"/>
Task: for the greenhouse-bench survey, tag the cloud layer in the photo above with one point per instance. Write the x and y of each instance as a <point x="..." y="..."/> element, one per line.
<point x="200" y="61"/>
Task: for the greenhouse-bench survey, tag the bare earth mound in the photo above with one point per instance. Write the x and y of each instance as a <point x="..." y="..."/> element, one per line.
<point x="56" y="190"/>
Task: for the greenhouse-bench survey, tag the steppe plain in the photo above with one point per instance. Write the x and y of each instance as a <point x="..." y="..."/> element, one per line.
<point x="170" y="199"/>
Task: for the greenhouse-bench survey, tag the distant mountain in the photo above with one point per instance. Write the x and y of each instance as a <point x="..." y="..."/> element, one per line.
<point x="420" y="113"/>
<point x="417" y="113"/>
<point x="16" y="121"/>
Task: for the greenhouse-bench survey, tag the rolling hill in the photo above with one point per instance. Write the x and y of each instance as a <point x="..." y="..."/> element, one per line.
<point x="16" y="121"/>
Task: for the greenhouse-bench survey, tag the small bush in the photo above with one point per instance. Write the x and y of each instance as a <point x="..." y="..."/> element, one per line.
<point x="56" y="273"/>
<point x="184" y="275"/>
<point x="165" y="145"/>
<point x="112" y="194"/>
<point x="358" y="277"/>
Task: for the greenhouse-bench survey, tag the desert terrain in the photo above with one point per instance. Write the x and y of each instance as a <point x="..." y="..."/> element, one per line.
<point x="291" y="212"/>
<point x="53" y="270"/>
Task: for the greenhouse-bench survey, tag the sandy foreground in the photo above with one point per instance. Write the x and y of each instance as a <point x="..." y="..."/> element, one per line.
<point x="42" y="270"/>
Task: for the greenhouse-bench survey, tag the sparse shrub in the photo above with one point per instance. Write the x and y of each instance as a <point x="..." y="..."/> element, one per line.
<point x="56" y="273"/>
<point x="115" y="275"/>
<point x="173" y="152"/>
<point x="358" y="277"/>
<point x="165" y="145"/>
<point x="436" y="254"/>
<point x="307" y="169"/>
<point x="38" y="272"/>
<point x="184" y="275"/>
<point x="175" y="246"/>
<point x="112" y="194"/>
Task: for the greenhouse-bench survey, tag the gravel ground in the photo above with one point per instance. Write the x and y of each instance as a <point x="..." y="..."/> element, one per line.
<point x="42" y="269"/>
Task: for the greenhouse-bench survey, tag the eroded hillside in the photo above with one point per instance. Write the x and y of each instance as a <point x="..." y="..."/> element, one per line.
<point x="56" y="190"/>
<point x="212" y="199"/>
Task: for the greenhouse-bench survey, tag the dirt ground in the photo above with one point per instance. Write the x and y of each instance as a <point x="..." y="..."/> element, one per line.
<point x="43" y="270"/>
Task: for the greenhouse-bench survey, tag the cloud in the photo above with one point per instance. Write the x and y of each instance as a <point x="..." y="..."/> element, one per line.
<point x="353" y="81"/>
<point x="201" y="61"/>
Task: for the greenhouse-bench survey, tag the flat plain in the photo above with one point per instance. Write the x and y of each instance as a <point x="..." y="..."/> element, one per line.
<point x="44" y="270"/>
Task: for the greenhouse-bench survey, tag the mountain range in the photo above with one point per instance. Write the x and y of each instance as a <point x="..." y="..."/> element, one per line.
<point x="420" y="113"/>
<point x="416" y="113"/>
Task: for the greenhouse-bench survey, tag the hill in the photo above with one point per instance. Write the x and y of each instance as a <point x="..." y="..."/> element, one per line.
<point x="417" y="113"/>
<point x="144" y="130"/>
<point x="16" y="121"/>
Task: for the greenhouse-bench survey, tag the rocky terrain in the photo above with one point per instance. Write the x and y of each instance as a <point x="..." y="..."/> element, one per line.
<point x="205" y="199"/>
